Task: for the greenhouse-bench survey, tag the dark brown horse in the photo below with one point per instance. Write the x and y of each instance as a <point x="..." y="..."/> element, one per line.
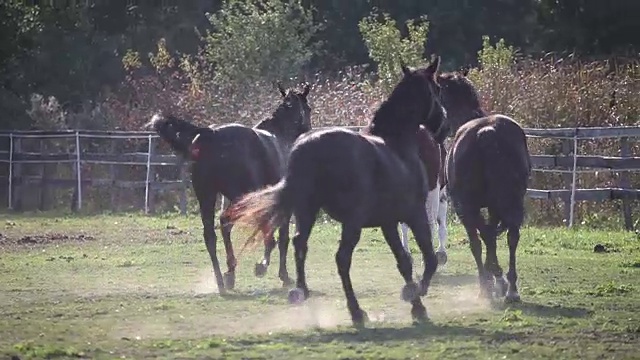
<point x="462" y="103"/>
<point x="488" y="166"/>
<point x="233" y="160"/>
<point x="361" y="180"/>
<point x="432" y="152"/>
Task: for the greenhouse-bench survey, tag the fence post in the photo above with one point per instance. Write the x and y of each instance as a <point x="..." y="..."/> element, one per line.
<point x="10" y="194"/>
<point x="113" y="176"/>
<point x="146" y="187"/>
<point x="78" y="171"/>
<point x="573" y="180"/>
<point x="625" y="152"/>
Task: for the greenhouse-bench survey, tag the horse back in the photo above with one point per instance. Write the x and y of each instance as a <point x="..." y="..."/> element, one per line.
<point x="350" y="168"/>
<point x="238" y="157"/>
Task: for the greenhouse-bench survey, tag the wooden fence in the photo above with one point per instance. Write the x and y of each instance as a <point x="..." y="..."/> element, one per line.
<point x="570" y="163"/>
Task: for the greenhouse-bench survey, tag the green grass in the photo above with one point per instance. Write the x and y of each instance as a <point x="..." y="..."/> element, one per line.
<point x="141" y="287"/>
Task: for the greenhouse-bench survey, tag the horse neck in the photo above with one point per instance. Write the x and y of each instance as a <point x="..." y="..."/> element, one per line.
<point x="285" y="136"/>
<point x="404" y="142"/>
<point x="182" y="142"/>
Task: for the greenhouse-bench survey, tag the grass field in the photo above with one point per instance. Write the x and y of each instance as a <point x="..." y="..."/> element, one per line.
<point x="141" y="287"/>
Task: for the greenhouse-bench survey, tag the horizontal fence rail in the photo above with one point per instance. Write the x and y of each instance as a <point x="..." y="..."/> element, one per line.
<point x="570" y="163"/>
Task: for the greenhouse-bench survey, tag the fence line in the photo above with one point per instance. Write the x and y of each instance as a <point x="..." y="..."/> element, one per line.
<point x="567" y="164"/>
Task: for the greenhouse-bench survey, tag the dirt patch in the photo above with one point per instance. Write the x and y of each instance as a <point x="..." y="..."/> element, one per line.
<point x="43" y="239"/>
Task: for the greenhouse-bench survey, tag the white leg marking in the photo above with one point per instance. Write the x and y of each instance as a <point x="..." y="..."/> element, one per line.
<point x="442" y="220"/>
<point x="433" y="199"/>
<point x="404" y="229"/>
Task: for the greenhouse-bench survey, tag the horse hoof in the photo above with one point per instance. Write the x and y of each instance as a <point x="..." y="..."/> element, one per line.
<point x="442" y="258"/>
<point x="260" y="270"/>
<point x="419" y="314"/>
<point x="512" y="298"/>
<point x="229" y="280"/>
<point x="296" y="296"/>
<point x="360" y="319"/>
<point x="410" y="292"/>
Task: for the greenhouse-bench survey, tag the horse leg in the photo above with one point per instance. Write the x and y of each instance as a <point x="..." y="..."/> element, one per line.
<point x="230" y="275"/>
<point x="207" y="202"/>
<point x="403" y="261"/>
<point x="304" y="224"/>
<point x="349" y="239"/>
<point x="442" y="227"/>
<point x="433" y="202"/>
<point x="261" y="267"/>
<point x="513" y="237"/>
<point x="283" y="247"/>
<point x="471" y="224"/>
<point x="422" y="233"/>
<point x="489" y="233"/>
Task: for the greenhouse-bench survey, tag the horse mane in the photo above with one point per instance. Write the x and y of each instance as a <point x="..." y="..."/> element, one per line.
<point x="392" y="116"/>
<point x="273" y="121"/>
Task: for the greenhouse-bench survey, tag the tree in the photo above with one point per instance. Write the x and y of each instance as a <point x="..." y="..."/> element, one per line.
<point x="387" y="47"/>
<point x="259" y="41"/>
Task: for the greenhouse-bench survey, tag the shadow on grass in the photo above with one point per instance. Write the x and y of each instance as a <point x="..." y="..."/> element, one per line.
<point x="250" y="295"/>
<point x="454" y="279"/>
<point x="387" y="333"/>
<point x="540" y="310"/>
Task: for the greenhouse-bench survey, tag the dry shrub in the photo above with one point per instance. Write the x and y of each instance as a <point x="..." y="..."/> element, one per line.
<point x="552" y="92"/>
<point x="544" y="93"/>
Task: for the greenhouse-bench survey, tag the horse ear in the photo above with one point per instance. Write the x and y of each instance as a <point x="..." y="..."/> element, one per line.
<point x="305" y="89"/>
<point x="434" y="66"/>
<point x="281" y="89"/>
<point x="405" y="69"/>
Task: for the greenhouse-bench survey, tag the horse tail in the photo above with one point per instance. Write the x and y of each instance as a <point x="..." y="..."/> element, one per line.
<point x="504" y="195"/>
<point x="265" y="209"/>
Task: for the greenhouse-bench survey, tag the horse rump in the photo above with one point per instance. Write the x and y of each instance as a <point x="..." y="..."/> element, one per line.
<point x="506" y="169"/>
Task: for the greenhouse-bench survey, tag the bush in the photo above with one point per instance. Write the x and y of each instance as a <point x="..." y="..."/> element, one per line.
<point x="388" y="49"/>
<point x="255" y="41"/>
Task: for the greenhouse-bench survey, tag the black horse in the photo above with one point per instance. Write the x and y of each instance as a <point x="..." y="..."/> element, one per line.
<point x="488" y="166"/>
<point x="361" y="180"/>
<point x="233" y="160"/>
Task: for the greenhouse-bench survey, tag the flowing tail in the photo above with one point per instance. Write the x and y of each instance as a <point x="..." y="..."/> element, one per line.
<point x="503" y="189"/>
<point x="265" y="210"/>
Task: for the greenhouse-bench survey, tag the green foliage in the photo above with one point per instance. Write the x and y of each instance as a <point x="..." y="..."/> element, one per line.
<point x="131" y="60"/>
<point x="496" y="62"/>
<point x="162" y="59"/>
<point x="497" y="57"/>
<point x="18" y="28"/>
<point x="388" y="49"/>
<point x="259" y="40"/>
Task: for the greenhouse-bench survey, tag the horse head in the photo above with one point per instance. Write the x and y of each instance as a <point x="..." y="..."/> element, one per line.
<point x="292" y="117"/>
<point x="414" y="101"/>
<point x="178" y="133"/>
<point x="460" y="98"/>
